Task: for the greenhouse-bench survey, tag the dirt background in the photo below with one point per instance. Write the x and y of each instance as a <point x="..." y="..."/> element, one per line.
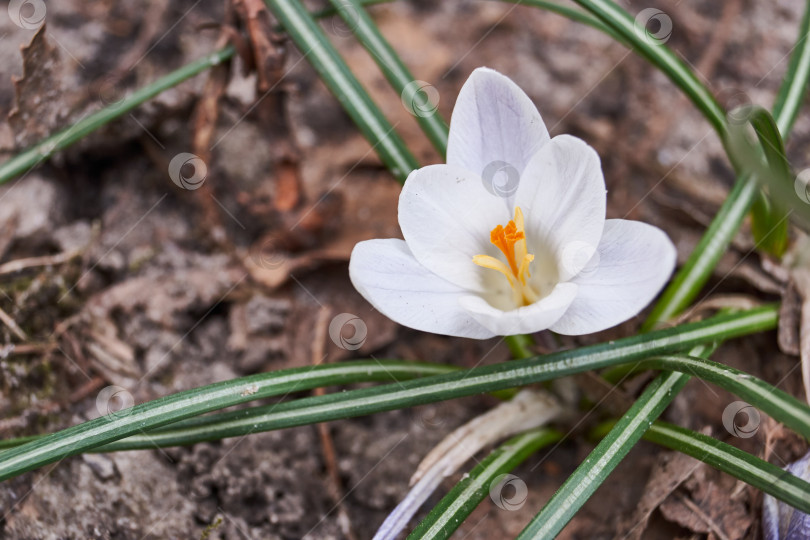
<point x="156" y="289"/>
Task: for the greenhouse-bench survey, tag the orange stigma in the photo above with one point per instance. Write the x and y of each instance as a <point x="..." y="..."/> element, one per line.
<point x="511" y="241"/>
<point x="504" y="238"/>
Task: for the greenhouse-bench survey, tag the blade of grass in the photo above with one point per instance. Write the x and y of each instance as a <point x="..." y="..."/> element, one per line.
<point x="773" y="401"/>
<point x="769" y="226"/>
<point x="728" y="459"/>
<point x="785" y="408"/>
<point x="312" y="410"/>
<point x="394" y="69"/>
<point x="520" y="345"/>
<point x="466" y="495"/>
<point x="771" y="142"/>
<point x="769" y="223"/>
<point x="590" y="474"/>
<point x="221" y="395"/>
<point x="724" y="457"/>
<point x="794" y="85"/>
<point x="456" y="506"/>
<point x="780" y="405"/>
<point x="337" y="76"/>
<point x="306" y="378"/>
<point x="43" y="150"/>
<point x="176" y="407"/>
<point x="769" y="215"/>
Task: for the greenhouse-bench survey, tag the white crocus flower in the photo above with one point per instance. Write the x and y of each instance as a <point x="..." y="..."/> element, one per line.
<point x="510" y="236"/>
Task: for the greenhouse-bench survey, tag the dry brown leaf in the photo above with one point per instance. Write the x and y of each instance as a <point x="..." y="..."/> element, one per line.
<point x="206" y="113"/>
<point x="288" y="186"/>
<point x="790" y="315"/>
<point x="798" y="262"/>
<point x="268" y="55"/>
<point x="273" y="268"/>
<point x="801" y="278"/>
<point x="310" y="291"/>
<point x="107" y="360"/>
<point x="707" y="507"/>
<point x="38" y="107"/>
<point x="669" y="472"/>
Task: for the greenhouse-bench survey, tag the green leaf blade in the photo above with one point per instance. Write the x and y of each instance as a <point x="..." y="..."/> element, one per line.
<point x="742" y="465"/>
<point x="355" y="100"/>
<point x="394" y="69"/>
<point x="604" y="458"/>
<point x="468" y="493"/>
<point x="430" y="389"/>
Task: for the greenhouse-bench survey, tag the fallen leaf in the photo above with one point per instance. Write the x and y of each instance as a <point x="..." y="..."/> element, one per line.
<point x="38" y="106"/>
<point x="790" y="316"/>
<point x="705" y="506"/>
<point x="798" y="261"/>
<point x="670" y="471"/>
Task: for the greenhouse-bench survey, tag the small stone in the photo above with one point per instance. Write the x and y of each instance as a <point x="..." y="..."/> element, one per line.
<point x="35" y="204"/>
<point x="102" y="466"/>
<point x="74" y="236"/>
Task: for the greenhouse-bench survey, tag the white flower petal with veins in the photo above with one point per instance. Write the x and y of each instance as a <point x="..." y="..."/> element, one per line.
<point x="387" y="275"/>
<point x="480" y="260"/>
<point x="445" y="221"/>
<point x="493" y="120"/>
<point x="562" y="193"/>
<point x="635" y="261"/>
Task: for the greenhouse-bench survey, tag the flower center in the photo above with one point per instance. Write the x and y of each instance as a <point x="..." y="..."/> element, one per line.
<point x="511" y="241"/>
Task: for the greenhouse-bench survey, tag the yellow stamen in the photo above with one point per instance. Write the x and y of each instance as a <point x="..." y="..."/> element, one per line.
<point x="520" y="246"/>
<point x="523" y="273"/>
<point x="511" y="241"/>
<point x="494" y="264"/>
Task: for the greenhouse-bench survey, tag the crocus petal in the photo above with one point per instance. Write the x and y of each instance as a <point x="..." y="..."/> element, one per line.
<point x="446" y="217"/>
<point x="633" y="262"/>
<point x="562" y="195"/>
<point x="525" y="320"/>
<point x="390" y="278"/>
<point x="494" y="127"/>
<point x="780" y="521"/>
